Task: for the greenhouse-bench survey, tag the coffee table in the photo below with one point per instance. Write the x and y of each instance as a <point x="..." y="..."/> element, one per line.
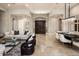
<point x="10" y="45"/>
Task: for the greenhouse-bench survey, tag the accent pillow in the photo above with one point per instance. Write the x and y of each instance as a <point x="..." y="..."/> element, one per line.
<point x="30" y="39"/>
<point x="16" y="32"/>
<point x="25" y="32"/>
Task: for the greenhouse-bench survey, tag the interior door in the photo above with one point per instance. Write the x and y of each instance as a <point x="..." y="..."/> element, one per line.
<point x="40" y="27"/>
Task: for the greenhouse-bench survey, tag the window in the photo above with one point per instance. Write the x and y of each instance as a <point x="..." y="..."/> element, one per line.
<point x="76" y="25"/>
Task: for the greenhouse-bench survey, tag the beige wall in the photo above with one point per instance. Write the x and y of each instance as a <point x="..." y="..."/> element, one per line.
<point x="6" y="22"/>
<point x="68" y="25"/>
<point x="75" y="10"/>
<point x="22" y="23"/>
<point x="51" y="23"/>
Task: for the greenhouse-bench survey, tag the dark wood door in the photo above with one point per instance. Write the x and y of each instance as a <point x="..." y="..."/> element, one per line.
<point x="40" y="27"/>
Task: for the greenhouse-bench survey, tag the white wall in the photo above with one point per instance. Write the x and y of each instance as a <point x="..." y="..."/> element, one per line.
<point x="16" y="24"/>
<point x="21" y="24"/>
<point x="25" y="24"/>
<point x="6" y="22"/>
<point x="65" y="26"/>
<point x="7" y="19"/>
<point x="68" y="25"/>
<point x="53" y="25"/>
<point x="75" y="10"/>
<point x="27" y="17"/>
<point x="19" y="11"/>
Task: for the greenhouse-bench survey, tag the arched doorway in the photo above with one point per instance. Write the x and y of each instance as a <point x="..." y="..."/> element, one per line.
<point x="40" y="25"/>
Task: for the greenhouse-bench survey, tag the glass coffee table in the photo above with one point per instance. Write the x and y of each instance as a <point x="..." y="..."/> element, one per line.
<point x="10" y="44"/>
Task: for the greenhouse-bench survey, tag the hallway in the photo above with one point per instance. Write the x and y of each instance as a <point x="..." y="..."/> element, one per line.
<point x="47" y="45"/>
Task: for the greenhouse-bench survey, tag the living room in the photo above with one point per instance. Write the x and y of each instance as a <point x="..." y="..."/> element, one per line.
<point x="43" y="23"/>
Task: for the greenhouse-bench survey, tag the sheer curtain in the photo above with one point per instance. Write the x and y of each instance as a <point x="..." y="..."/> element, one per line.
<point x="23" y="25"/>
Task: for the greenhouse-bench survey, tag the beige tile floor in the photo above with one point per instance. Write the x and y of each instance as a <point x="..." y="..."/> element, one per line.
<point x="47" y="45"/>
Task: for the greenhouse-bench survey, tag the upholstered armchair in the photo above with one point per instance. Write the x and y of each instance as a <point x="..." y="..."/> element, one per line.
<point x="64" y="39"/>
<point x="31" y="40"/>
<point x="28" y="47"/>
<point x="57" y="34"/>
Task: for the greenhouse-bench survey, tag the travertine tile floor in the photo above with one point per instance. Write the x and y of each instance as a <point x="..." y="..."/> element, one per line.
<point x="47" y="45"/>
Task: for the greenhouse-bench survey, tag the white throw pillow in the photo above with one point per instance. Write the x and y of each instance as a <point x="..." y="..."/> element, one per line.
<point x="33" y="34"/>
<point x="29" y="45"/>
<point x="12" y="32"/>
<point x="6" y="33"/>
<point x="30" y="39"/>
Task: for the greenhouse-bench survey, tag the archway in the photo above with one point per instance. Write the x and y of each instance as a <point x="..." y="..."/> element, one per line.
<point x="40" y="25"/>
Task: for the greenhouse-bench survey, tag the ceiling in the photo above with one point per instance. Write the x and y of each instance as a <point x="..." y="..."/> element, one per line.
<point x="36" y="8"/>
<point x="32" y="6"/>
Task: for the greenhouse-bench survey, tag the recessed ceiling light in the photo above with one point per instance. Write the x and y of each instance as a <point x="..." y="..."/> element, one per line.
<point x="26" y="5"/>
<point x="8" y="4"/>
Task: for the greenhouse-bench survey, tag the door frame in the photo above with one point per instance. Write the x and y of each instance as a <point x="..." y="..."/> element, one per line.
<point x="44" y="24"/>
